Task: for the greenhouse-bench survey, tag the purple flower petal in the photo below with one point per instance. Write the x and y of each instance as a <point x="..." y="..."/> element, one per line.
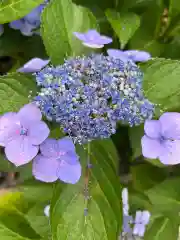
<point x="9" y="127"/>
<point x="93" y="39"/>
<point x="34" y="65"/>
<point x="170" y="123"/>
<point x="151" y="148"/>
<point x="145" y="217"/>
<point x="171" y="153"/>
<point x="34" y="16"/>
<point x="126" y="223"/>
<point x="17" y="24"/>
<point x="138" y="216"/>
<point x="69" y="173"/>
<point x="137" y="56"/>
<point x="38" y="132"/>
<point x="80" y="36"/>
<point x="70" y="158"/>
<point x="104" y="40"/>
<point x="27" y="29"/>
<point x="20" y="151"/>
<point x="92" y="45"/>
<point x="50" y="148"/>
<point x="117" y="54"/>
<point x="45" y="169"/>
<point x="29" y="112"/>
<point x="66" y="144"/>
<point x="139" y="230"/>
<point x="152" y="128"/>
<point x="92" y="35"/>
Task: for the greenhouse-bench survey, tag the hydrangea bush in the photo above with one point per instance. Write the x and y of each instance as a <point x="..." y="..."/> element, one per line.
<point x="90" y="119"/>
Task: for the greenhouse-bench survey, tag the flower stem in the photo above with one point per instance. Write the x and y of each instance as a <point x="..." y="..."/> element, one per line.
<point x="87" y="176"/>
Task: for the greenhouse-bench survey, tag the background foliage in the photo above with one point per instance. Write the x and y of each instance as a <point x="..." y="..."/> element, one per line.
<point x="149" y="25"/>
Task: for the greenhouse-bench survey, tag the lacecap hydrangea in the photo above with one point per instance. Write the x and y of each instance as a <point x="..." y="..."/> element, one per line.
<point x="87" y="96"/>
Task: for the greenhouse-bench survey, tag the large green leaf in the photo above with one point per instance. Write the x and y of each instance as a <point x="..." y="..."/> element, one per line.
<point x="11" y="10"/>
<point x="162" y="228"/>
<point x="145" y="176"/>
<point x="14" y="91"/>
<point x="161" y="83"/>
<point x="165" y="196"/>
<point x="13" y="223"/>
<point x="104" y="209"/>
<point x="124" y="24"/>
<point x="59" y="20"/>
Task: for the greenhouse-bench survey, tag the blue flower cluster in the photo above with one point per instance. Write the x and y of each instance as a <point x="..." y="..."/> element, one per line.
<point x="89" y="95"/>
<point x="29" y="23"/>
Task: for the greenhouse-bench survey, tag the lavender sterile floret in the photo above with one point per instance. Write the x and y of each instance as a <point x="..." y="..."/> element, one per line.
<point x="88" y="95"/>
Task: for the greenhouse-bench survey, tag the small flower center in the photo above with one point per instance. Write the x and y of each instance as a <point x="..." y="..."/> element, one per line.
<point x="23" y="131"/>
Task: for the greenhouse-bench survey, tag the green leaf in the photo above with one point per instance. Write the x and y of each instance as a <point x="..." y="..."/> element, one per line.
<point x="145" y="176"/>
<point x="14" y="91"/>
<point x="161" y="83"/>
<point x="174" y="8"/>
<point x="13" y="224"/>
<point x="104" y="208"/>
<point x="134" y="4"/>
<point x="165" y="197"/>
<point x="10" y="42"/>
<point x="38" y="220"/>
<point x="124" y="24"/>
<point x="138" y="200"/>
<point x="35" y="191"/>
<point x="59" y="20"/>
<point x="11" y="10"/>
<point x="145" y="38"/>
<point x="162" y="228"/>
<point x="135" y="135"/>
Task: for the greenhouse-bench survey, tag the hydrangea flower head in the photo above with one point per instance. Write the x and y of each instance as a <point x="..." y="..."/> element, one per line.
<point x="134" y="55"/>
<point x="93" y="39"/>
<point x="58" y="160"/>
<point x="34" y="65"/>
<point x="21" y="133"/>
<point x="88" y="95"/>
<point x="162" y="138"/>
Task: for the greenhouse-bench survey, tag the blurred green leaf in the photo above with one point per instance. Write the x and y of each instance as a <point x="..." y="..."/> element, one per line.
<point x="124" y="24"/>
<point x="38" y="220"/>
<point x="14" y="91"/>
<point x="145" y="176"/>
<point x="59" y="20"/>
<point x="138" y="200"/>
<point x="135" y="135"/>
<point x="162" y="228"/>
<point x="104" y="208"/>
<point x="165" y="197"/>
<point x="14" y="9"/>
<point x="174" y="8"/>
<point x="10" y="42"/>
<point x="128" y="5"/>
<point x="161" y="83"/>
<point x="13" y="224"/>
<point x="145" y="38"/>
